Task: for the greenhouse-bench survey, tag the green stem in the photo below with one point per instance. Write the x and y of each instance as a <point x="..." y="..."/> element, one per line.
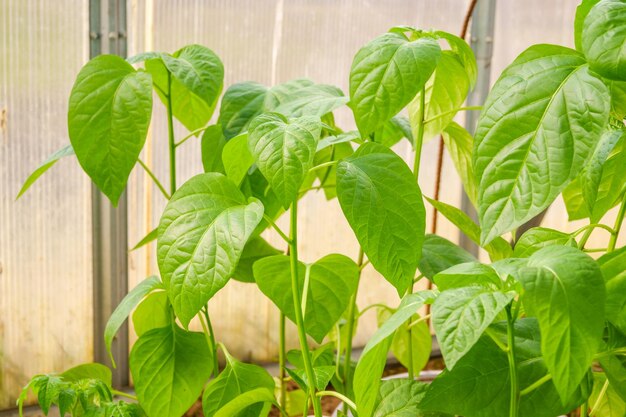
<point x="601" y="395"/>
<point x="585" y="238"/>
<point x="375" y="305"/>
<point x="419" y="138"/>
<point x="170" y="133"/>
<point x="282" y="362"/>
<point x="342" y="397"/>
<point x="584" y="409"/>
<point x="593" y="226"/>
<point x="154" y="178"/>
<point x="323" y="165"/>
<point x="352" y="318"/>
<point x="515" y="393"/>
<point x="453" y="111"/>
<point x="618" y="224"/>
<point x="191" y="134"/>
<point x="496" y="340"/>
<point x="297" y="303"/>
<point x="275" y="226"/>
<point x="123" y="394"/>
<point x="216" y="365"/>
<point x="535" y="385"/>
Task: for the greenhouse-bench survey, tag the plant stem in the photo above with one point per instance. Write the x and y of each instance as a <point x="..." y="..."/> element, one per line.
<point x="346" y="400"/>
<point x="154" y="178"/>
<point x="439" y="116"/>
<point x="419" y="139"/>
<point x="123" y="394"/>
<point x="281" y="361"/>
<point x="584" y="409"/>
<point x="515" y="394"/>
<point x="191" y="134"/>
<point x="496" y="340"/>
<point x="324" y="165"/>
<point x="585" y="238"/>
<point x="352" y="318"/>
<point x="601" y="395"/>
<point x="216" y="365"/>
<point x="275" y="226"/>
<point x="170" y="133"/>
<point x="297" y="303"/>
<point x="618" y="224"/>
<point x="535" y="385"/>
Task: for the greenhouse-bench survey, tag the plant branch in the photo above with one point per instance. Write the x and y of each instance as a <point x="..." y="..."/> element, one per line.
<point x="170" y="134"/>
<point x="190" y="135"/>
<point x="515" y="393"/>
<point x="535" y="385"/>
<point x="205" y="320"/>
<point x="282" y="361"/>
<point x="618" y="224"/>
<point x="154" y="179"/>
<point x="342" y="397"/>
<point x="439" y="116"/>
<point x="323" y="165"/>
<point x="275" y="226"/>
<point x="124" y="394"/>
<point x="353" y="317"/>
<point x="297" y="302"/>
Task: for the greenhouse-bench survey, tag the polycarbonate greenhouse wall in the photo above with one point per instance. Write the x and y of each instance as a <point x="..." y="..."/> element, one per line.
<point x="46" y="308"/>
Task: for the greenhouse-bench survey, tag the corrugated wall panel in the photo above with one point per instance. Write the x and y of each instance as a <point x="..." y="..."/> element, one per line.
<point x="45" y="237"/>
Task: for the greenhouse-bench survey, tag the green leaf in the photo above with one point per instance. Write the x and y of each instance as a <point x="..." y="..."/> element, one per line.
<point x="618" y="98"/>
<point x="67" y="401"/>
<point x="603" y="39"/>
<point x="421" y="340"/>
<point x="109" y="114"/>
<point x="540" y="237"/>
<point x="439" y="254"/>
<point x="122" y="311"/>
<point x="367" y="374"/>
<point x="323" y="375"/>
<point x="283" y="151"/>
<point x="479" y="384"/>
<point x="202" y="233"/>
<point x="446" y="91"/>
<point x="197" y="76"/>
<point x="170" y="367"/>
<point x="151" y="236"/>
<point x="459" y="143"/>
<point x="48" y="389"/>
<point x="401" y="398"/>
<point x="464" y="53"/>
<point x="328" y="176"/>
<point x="236" y="158"/>
<point x="241" y="103"/>
<point x="245" y="400"/>
<point x="118" y="409"/>
<point x="564" y="289"/>
<point x="88" y="371"/>
<point x="256" y="248"/>
<point x="615" y="369"/>
<point x="153" y="312"/>
<point x="461" y="315"/>
<point x="497" y="249"/>
<point x="236" y="379"/>
<point x="314" y="100"/>
<point x="332" y="281"/>
<point x="255" y="185"/>
<point x="285" y="92"/>
<point x="613" y="267"/>
<point x="601" y="190"/>
<point x="581" y="13"/>
<point x="604" y="398"/>
<point x="383" y="204"/>
<point x="212" y="147"/>
<point x="574" y="202"/>
<point x="540" y="123"/>
<point x="67" y="150"/>
<point x="386" y="75"/>
<point x="468" y="274"/>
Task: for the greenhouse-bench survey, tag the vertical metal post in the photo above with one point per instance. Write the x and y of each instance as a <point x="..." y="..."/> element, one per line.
<point x="483" y="22"/>
<point x="109" y="224"/>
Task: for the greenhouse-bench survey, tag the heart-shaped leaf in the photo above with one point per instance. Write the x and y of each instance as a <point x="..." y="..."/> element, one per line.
<point x="109" y="114"/>
<point x="314" y="100"/>
<point x="603" y="38"/>
<point x="332" y="281"/>
<point x="539" y="125"/>
<point x="540" y="237"/>
<point x="439" y="254"/>
<point x="170" y="367"/>
<point x="202" y="233"/>
<point x="383" y="204"/>
<point x="284" y="150"/>
<point x="386" y="75"/>
<point x="241" y="103"/>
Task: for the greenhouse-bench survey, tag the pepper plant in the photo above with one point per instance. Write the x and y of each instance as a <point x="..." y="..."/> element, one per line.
<point x="540" y="330"/>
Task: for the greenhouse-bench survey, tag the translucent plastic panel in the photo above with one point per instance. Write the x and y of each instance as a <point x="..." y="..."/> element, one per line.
<point x="272" y="41"/>
<point x="45" y="237"/>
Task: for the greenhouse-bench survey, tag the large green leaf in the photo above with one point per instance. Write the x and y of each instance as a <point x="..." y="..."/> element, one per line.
<point x="461" y="315"/>
<point x="153" y="312"/>
<point x="464" y="53"/>
<point x="581" y="13"/>
<point x="282" y="93"/>
<point x="197" y="77"/>
<point x="367" y="375"/>
<point x="212" y="146"/>
<point x="67" y="150"/>
<point x="613" y="267"/>
<point x="284" y="150"/>
<point x="123" y="310"/>
<point x="564" y="289"/>
<point x="237" y="158"/>
<point x="604" y="37"/>
<point x="468" y="274"/>
<point x="256" y="248"/>
<point x="446" y="91"/>
<point x="439" y="254"/>
<point x="421" y="340"/>
<point x="540" y="123"/>
<point x="109" y="114"/>
<point x="88" y="371"/>
<point x="170" y="367"/>
<point x="383" y="204"/>
<point x="401" y="398"/>
<point x="479" y="384"/>
<point x="241" y="103"/>
<point x="539" y="237"/>
<point x="615" y="368"/>
<point x="459" y="144"/>
<point x="605" y="399"/>
<point x="497" y="249"/>
<point x="386" y="75"/>
<point x="332" y="281"/>
<point x="245" y="400"/>
<point x="314" y="100"/>
<point x="236" y="379"/>
<point x="202" y="233"/>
